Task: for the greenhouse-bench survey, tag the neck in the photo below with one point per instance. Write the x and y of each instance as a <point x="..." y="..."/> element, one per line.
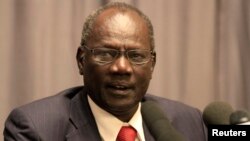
<point x="124" y="116"/>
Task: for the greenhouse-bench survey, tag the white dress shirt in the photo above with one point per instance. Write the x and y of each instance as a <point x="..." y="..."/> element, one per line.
<point x="109" y="126"/>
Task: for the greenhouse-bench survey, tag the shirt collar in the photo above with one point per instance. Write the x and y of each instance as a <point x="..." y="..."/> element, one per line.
<point x="109" y="126"/>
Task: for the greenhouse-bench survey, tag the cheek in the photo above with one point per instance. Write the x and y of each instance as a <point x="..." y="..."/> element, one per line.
<point x="145" y="73"/>
<point x="93" y="74"/>
<point x="143" y="77"/>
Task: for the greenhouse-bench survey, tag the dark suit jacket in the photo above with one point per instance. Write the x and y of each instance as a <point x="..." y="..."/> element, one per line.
<point x="67" y="116"/>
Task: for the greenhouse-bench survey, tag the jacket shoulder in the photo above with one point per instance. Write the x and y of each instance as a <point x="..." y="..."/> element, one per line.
<point x="41" y="116"/>
<point x="186" y="119"/>
<point x="60" y="99"/>
<point x="169" y="105"/>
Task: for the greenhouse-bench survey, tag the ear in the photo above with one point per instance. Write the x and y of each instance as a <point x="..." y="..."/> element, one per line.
<point x="153" y="61"/>
<point x="80" y="59"/>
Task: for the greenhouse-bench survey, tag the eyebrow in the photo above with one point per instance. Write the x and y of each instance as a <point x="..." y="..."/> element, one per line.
<point x="114" y="46"/>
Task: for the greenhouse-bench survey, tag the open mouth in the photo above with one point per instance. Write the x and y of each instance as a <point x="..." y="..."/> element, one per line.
<point x="119" y="89"/>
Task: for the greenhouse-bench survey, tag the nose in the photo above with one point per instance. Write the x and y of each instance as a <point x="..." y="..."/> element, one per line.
<point x="121" y="66"/>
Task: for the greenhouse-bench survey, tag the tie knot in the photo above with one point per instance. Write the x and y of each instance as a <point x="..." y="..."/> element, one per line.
<point x="127" y="133"/>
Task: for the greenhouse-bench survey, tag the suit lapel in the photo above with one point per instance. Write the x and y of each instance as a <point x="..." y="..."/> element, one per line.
<point x="82" y="123"/>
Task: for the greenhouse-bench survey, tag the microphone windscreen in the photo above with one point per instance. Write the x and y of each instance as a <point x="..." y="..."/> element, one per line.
<point x="151" y="112"/>
<point x="158" y="124"/>
<point x="217" y="113"/>
<point x="239" y="117"/>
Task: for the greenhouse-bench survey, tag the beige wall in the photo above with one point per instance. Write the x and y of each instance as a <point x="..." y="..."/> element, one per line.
<point x="202" y="49"/>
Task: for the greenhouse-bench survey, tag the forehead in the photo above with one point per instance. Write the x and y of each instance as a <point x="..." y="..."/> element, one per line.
<point x="121" y="25"/>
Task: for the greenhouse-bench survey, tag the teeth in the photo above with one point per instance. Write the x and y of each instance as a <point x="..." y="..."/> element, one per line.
<point x="120" y="87"/>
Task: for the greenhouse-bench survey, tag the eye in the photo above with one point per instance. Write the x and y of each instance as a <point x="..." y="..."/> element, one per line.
<point x="137" y="55"/>
<point x="105" y="54"/>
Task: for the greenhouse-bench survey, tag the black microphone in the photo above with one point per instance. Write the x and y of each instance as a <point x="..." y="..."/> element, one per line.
<point x="217" y="113"/>
<point x="240" y="117"/>
<point x="158" y="124"/>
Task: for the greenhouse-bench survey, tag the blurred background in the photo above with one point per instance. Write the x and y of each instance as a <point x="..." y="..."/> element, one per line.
<point x="203" y="49"/>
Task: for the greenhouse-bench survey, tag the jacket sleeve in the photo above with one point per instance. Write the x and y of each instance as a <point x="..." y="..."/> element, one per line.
<point x="18" y="127"/>
<point x="203" y="125"/>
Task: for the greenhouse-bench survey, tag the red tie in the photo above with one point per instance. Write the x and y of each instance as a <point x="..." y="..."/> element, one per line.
<point x="127" y="133"/>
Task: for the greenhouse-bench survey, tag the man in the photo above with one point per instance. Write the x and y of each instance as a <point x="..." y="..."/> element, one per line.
<point x="117" y="59"/>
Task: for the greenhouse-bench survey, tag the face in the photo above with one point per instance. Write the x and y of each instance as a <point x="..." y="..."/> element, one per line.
<point x="118" y="86"/>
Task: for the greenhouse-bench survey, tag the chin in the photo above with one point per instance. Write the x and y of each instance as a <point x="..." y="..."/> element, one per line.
<point x="122" y="106"/>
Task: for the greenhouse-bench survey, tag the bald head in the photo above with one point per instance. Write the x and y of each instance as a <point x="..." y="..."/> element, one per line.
<point x="126" y="26"/>
<point x="124" y="14"/>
